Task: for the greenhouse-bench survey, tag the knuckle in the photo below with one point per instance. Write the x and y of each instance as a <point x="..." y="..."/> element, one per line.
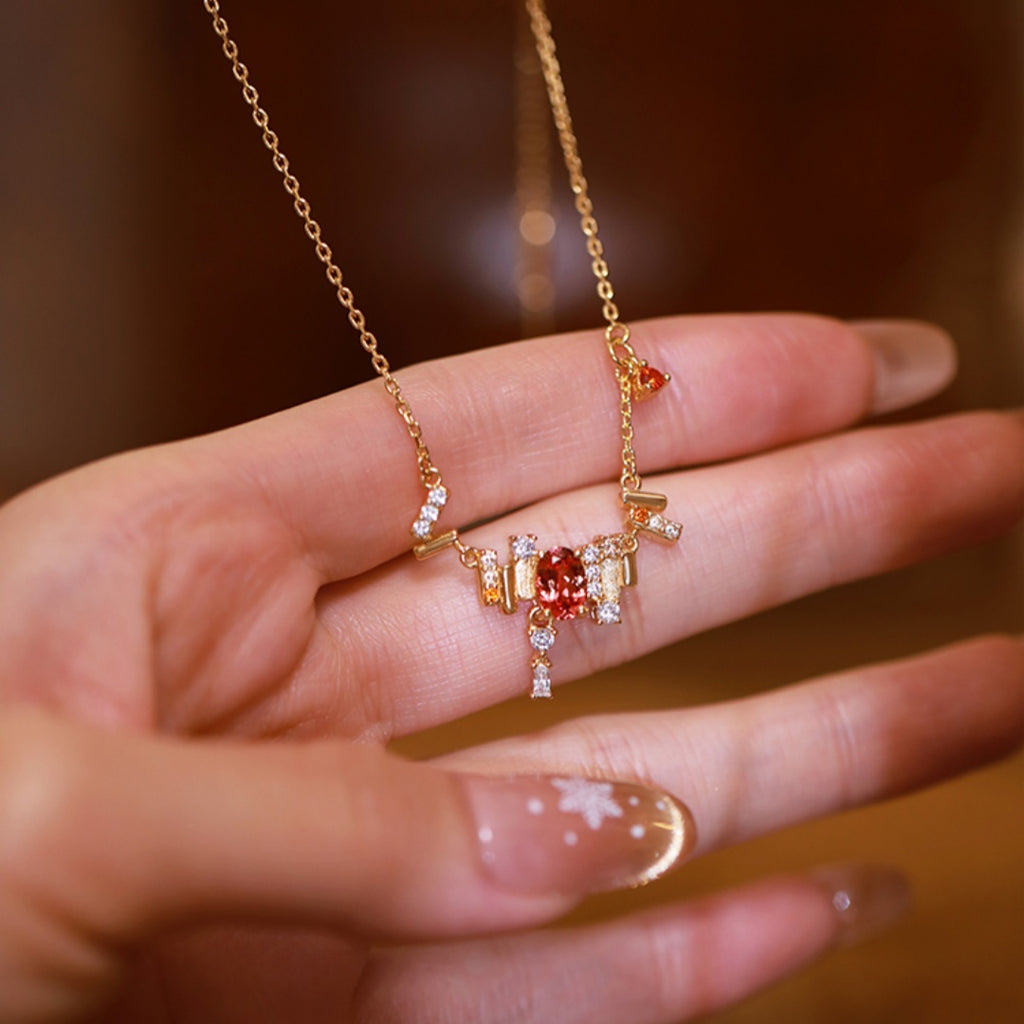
<point x="40" y="788"/>
<point x="844" y="765"/>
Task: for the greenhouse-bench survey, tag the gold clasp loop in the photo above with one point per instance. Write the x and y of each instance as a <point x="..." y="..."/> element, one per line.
<point x="616" y="337"/>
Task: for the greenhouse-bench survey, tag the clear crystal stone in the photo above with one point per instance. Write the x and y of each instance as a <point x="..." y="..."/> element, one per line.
<point x="421" y="528"/>
<point x="437" y="496"/>
<point x="590" y="554"/>
<point x="593" y="574"/>
<point x="656" y="522"/>
<point x="523" y="547"/>
<point x="609" y="549"/>
<point x="491" y="578"/>
<point x="594" y="590"/>
<point x="429" y="513"/>
<point x="542" y="639"/>
<point x="673" y="530"/>
<point x="608" y="612"/>
<point x="489" y="559"/>
<point x="541" y="681"/>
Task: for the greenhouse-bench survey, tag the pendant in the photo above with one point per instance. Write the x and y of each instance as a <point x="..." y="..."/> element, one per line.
<point x="561" y="584"/>
<point x="645" y="381"/>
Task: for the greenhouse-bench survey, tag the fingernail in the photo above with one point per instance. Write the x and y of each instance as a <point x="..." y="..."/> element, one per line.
<point x="866" y="900"/>
<point x="556" y="834"/>
<point x="913" y="361"/>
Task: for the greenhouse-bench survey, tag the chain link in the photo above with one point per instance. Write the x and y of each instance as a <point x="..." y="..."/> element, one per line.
<point x="627" y="362"/>
<point x="429" y="473"/>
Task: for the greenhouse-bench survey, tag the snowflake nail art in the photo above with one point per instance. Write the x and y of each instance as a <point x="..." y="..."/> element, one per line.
<point x="593" y="800"/>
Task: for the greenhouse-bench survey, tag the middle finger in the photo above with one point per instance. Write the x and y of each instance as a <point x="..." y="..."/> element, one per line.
<point x="414" y="640"/>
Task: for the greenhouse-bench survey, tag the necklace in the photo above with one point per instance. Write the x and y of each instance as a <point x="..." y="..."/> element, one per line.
<point x="561" y="583"/>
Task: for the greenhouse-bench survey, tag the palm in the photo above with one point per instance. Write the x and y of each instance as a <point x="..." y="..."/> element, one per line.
<point x="259" y="588"/>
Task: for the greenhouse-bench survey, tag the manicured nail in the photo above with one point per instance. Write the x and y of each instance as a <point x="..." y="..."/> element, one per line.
<point x="867" y="900"/>
<point x="913" y="361"/>
<point x="555" y="834"/>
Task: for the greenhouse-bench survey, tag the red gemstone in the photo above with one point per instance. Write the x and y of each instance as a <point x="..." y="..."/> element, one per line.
<point x="648" y="381"/>
<point x="561" y="583"/>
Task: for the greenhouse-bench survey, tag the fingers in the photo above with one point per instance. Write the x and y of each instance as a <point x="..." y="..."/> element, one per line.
<point x="757" y="532"/>
<point x="753" y="766"/>
<point x="216" y="547"/>
<point x="106" y="839"/>
<point x="662" y="967"/>
<point x="516" y="424"/>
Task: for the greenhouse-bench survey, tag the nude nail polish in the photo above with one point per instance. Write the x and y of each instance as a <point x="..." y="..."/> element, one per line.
<point x="866" y="900"/>
<point x="573" y="835"/>
<point x="913" y="361"/>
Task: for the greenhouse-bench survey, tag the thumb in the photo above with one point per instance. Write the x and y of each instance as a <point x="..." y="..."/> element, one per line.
<point x="107" y="838"/>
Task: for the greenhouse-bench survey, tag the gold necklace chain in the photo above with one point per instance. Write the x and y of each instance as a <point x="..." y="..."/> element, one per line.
<point x="561" y="583"/>
<point x="627" y="362"/>
<point x="429" y="473"/>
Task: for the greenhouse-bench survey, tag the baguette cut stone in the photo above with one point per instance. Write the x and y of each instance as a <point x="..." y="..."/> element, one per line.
<point x="561" y="583"/>
<point x="541" y="681"/>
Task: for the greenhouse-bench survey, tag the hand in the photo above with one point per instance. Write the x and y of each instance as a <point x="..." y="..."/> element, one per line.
<point x="255" y="586"/>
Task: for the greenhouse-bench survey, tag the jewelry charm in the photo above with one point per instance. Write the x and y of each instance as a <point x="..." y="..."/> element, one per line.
<point x="646" y="381"/>
<point x="560" y="583"/>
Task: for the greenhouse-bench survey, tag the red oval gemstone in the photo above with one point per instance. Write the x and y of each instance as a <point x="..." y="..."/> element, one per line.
<point x="561" y="583"/>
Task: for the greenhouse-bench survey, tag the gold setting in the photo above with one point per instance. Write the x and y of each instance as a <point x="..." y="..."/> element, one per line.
<point x="645" y="499"/>
<point x="435" y="545"/>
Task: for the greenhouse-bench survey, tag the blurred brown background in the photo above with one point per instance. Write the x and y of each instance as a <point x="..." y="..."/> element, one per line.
<point x="854" y="158"/>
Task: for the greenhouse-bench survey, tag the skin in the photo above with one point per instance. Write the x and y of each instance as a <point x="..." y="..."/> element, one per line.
<point x="207" y="645"/>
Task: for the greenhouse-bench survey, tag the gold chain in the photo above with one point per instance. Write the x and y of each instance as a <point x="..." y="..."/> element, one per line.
<point x="627" y="362"/>
<point x="429" y="473"/>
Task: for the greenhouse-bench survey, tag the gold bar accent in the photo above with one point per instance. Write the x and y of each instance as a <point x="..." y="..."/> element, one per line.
<point x="629" y="573"/>
<point x="435" y="544"/>
<point x="508" y="590"/>
<point x="657" y="524"/>
<point x="646" y="499"/>
<point x="526" y="577"/>
<point x="489" y="576"/>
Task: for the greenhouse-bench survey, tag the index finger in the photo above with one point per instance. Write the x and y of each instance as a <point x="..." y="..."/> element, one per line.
<point x="512" y="425"/>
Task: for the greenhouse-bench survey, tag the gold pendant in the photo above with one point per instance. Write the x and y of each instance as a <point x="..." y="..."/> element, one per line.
<point x="562" y="583"/>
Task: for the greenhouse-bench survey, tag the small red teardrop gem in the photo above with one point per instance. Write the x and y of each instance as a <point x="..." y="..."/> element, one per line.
<point x="648" y="381"/>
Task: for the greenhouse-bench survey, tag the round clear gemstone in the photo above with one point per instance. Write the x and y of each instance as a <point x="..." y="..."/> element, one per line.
<point x="594" y="590"/>
<point x="673" y="530"/>
<point x="524" y="547"/>
<point x="437" y="496"/>
<point x="421" y="528"/>
<point x="542" y="639"/>
<point x="489" y="559"/>
<point x="609" y="549"/>
<point x="490" y="578"/>
<point x="429" y="512"/>
<point x="657" y="522"/>
<point x="590" y="554"/>
<point x="608" y="612"/>
<point x="593" y="573"/>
